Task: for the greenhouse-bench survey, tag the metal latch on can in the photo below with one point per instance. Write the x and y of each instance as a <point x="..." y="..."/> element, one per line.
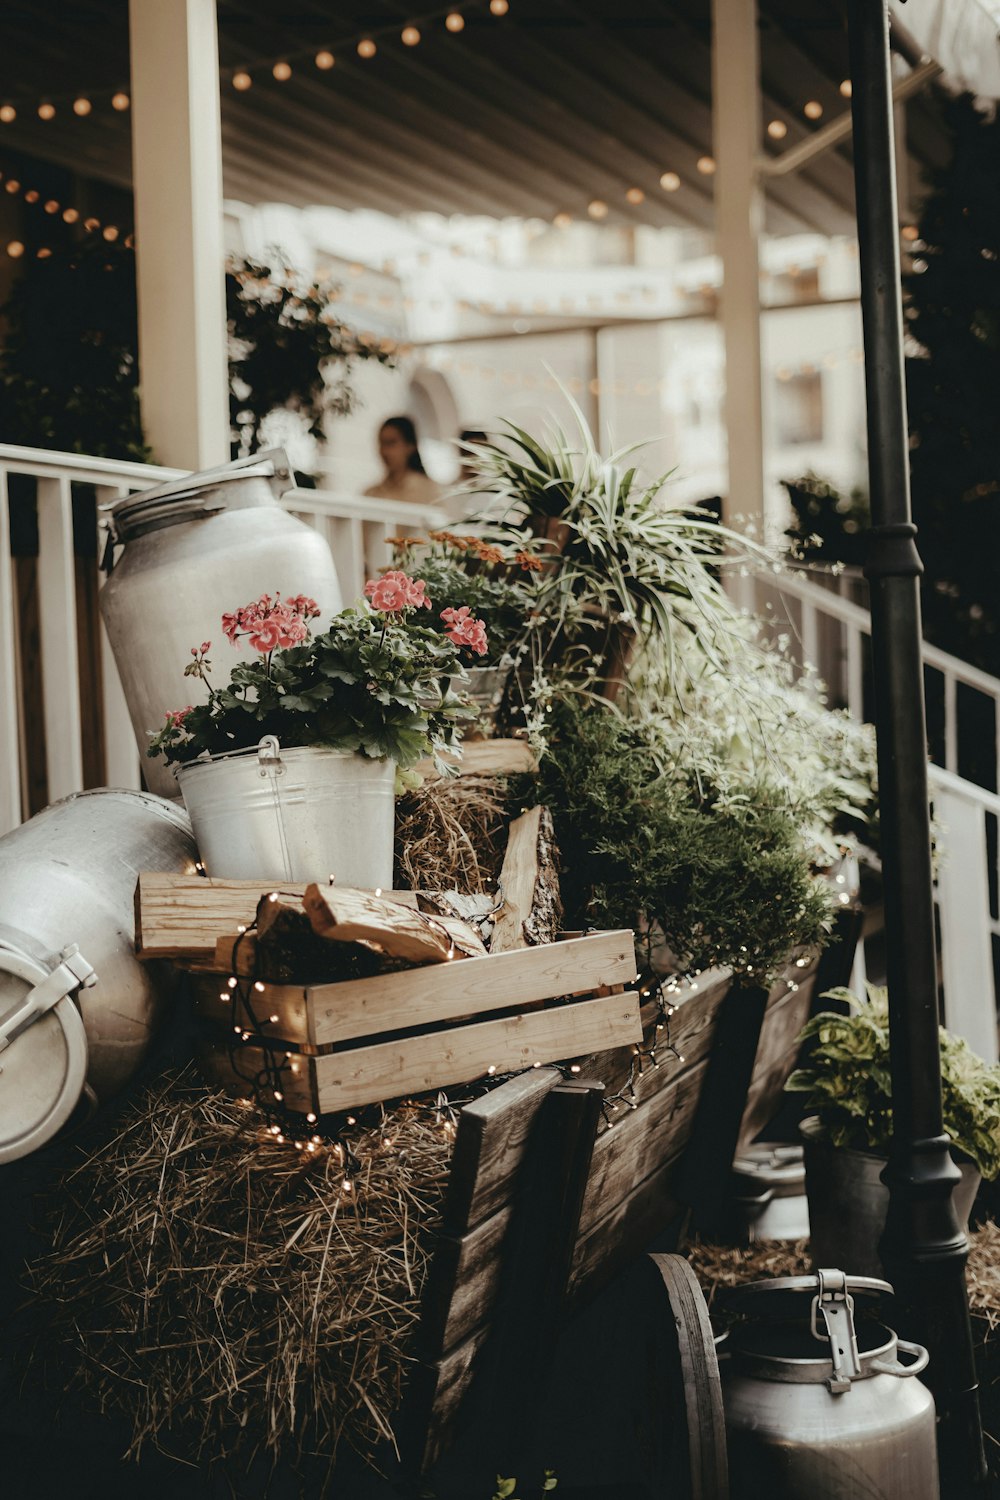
<point x="72" y="972"/>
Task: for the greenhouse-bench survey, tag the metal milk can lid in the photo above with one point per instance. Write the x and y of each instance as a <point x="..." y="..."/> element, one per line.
<point x="195" y="495"/>
<point x="43" y="1045"/>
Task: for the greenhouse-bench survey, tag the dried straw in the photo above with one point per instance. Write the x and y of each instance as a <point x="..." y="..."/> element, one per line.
<point x="725" y="1265"/>
<point x="226" y="1293"/>
<point x="451" y="834"/>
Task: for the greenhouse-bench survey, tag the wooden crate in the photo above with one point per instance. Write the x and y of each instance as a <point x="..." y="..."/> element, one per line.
<point x="359" y="1041"/>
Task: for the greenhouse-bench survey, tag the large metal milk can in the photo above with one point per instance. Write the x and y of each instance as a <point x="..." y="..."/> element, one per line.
<point x="819" y="1403"/>
<point x="77" y="1008"/>
<point x="194" y="549"/>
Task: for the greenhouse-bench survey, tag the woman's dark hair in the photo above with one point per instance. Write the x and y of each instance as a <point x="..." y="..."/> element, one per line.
<point x="408" y="432"/>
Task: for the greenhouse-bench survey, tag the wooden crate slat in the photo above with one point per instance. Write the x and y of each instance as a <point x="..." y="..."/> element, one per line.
<point x="363" y="1075"/>
<point x="656" y="1130"/>
<point x="470" y="986"/>
<point x="184" y="916"/>
<point x="434" y="993"/>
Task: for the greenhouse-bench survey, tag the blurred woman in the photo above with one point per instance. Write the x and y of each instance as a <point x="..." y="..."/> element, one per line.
<point x="405" y="476"/>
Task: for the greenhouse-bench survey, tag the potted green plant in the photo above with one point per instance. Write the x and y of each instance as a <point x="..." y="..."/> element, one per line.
<point x="624" y="568"/>
<point x="847" y="1082"/>
<point x="288" y="770"/>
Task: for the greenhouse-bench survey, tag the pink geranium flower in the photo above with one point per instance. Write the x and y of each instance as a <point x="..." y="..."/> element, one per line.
<point x="394" y="592"/>
<point x="176" y="716"/>
<point x="463" y="630"/>
<point x="271" y="624"/>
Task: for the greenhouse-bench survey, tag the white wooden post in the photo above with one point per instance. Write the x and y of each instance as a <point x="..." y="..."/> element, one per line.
<point x="964" y="906"/>
<point x="736" y="124"/>
<point x="177" y="177"/>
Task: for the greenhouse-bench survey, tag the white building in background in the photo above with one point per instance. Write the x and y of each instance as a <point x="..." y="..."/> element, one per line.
<point x="502" y="314"/>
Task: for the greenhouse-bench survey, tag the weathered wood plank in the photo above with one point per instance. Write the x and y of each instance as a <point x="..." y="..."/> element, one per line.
<point x="656" y="1130"/>
<point x="777" y="1051"/>
<point x="529" y="881"/>
<point x="462" y="1284"/>
<point x="485" y="758"/>
<point x="624" y="1233"/>
<point x="490" y="1144"/>
<point x="387" y="1070"/>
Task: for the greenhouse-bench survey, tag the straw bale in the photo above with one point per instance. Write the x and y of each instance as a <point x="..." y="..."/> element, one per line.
<point x="224" y="1290"/>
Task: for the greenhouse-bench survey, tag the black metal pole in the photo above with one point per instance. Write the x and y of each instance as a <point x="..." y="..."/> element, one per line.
<point x="923" y="1248"/>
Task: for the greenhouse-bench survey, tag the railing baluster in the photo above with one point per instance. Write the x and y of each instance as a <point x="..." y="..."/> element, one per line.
<point x="855" y="670"/>
<point x="10" y="707"/>
<point x="950" y="723"/>
<point x="810" y="635"/>
<point x="60" y="670"/>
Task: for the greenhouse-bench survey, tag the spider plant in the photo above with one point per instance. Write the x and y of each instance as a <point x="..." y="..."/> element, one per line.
<point x="627" y="554"/>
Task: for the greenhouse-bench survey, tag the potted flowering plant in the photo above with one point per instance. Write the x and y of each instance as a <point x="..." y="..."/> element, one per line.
<point x="498" y="585"/>
<point x="288" y="770"/>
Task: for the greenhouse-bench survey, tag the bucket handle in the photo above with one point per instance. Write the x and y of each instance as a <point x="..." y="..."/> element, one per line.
<point x="921" y="1359"/>
<point x="269" y="755"/>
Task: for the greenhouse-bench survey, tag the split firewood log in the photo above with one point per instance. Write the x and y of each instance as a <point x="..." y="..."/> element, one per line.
<point x="351" y="916"/>
<point x="529" y="881"/>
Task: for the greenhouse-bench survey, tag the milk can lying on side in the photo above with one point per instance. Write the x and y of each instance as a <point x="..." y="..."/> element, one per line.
<point x="77" y="1009"/>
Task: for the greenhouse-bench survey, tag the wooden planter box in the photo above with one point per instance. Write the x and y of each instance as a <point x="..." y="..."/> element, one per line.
<point x="344" y="1045"/>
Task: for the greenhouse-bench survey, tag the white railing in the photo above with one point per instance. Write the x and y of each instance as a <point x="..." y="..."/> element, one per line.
<point x="356" y="527"/>
<point x="834" y="634"/>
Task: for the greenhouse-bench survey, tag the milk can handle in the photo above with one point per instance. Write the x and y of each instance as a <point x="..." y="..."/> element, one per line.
<point x="921" y="1359"/>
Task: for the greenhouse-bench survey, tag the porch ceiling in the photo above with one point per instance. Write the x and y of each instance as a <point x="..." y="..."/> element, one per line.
<point x="555" y="104"/>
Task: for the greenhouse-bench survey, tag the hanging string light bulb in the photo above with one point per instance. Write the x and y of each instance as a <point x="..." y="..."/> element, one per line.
<point x="324" y="61"/>
<point x="242" y="81"/>
<point x="409" y="36"/>
<point x="367" y="47"/>
<point x="455" y="21"/>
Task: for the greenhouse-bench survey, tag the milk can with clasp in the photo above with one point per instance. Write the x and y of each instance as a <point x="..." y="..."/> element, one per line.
<point x="78" y="1010"/>
<point x="182" y="555"/>
<point x="821" y="1397"/>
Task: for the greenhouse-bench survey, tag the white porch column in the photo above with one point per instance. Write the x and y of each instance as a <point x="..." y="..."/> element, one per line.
<point x="738" y="215"/>
<point x="177" y="178"/>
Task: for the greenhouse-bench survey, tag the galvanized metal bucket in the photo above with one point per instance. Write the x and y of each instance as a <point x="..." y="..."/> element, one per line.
<point x="191" y="550"/>
<point x="302" y="814"/>
<point x="848" y="1202"/>
<point x="77" y="1008"/>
